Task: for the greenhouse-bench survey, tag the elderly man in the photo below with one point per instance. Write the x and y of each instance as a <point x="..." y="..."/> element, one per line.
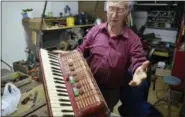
<point x="111" y="48"/>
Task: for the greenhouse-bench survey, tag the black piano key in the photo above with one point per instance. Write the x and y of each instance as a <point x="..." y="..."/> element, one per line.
<point x="60" y="94"/>
<point x="60" y="79"/>
<point x="63" y="104"/>
<point x="51" y="52"/>
<point x="54" y="64"/>
<point x="51" y="61"/>
<point x="54" y="68"/>
<point x="64" y="100"/>
<point x="57" y="74"/>
<point x="67" y="111"/>
<point x="56" y="71"/>
<point x="60" y="87"/>
<point x="61" y="91"/>
<point x="52" y="55"/>
<point x="59" y="82"/>
<point x="68" y="116"/>
<point x="53" y="58"/>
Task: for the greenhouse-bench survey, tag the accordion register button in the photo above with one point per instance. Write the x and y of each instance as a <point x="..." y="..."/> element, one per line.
<point x="74" y="74"/>
<point x="81" y="91"/>
<point x="71" y="80"/>
<point x="72" y="68"/>
<point x="75" y="91"/>
<point x="78" y="85"/>
<point x="70" y="62"/>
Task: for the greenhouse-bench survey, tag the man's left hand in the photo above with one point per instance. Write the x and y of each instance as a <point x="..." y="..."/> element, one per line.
<point x="140" y="74"/>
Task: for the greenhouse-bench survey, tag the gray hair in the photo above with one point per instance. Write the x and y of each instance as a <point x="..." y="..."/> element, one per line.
<point x="131" y="4"/>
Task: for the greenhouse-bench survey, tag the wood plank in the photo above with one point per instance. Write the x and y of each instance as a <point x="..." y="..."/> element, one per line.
<point x="39" y="105"/>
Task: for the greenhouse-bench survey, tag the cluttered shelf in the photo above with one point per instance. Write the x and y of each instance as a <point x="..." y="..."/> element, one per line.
<point x="162" y="28"/>
<point x="154" y="4"/>
<point x="52" y="24"/>
<point x="66" y="27"/>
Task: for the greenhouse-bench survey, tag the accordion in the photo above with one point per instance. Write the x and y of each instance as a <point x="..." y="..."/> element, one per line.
<point x="69" y="85"/>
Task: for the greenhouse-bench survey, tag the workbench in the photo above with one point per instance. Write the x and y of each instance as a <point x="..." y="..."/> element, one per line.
<point x="25" y="109"/>
<point x="40" y="107"/>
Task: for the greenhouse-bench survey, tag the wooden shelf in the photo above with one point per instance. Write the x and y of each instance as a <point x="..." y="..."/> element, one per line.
<point x="161" y="16"/>
<point x="159" y="22"/>
<point x="161" y="28"/>
<point x="154" y="4"/>
<point x="34" y="24"/>
<point x="60" y="28"/>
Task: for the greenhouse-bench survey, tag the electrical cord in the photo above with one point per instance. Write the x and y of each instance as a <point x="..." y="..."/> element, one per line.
<point x="7" y="65"/>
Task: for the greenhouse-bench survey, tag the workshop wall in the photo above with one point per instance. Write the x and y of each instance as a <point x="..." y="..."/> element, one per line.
<point x="0" y="37"/>
<point x="89" y="7"/>
<point x="13" y="34"/>
<point x="140" y="19"/>
<point x="57" y="7"/>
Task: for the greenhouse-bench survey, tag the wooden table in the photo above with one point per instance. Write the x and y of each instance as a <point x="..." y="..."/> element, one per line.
<point x="40" y="107"/>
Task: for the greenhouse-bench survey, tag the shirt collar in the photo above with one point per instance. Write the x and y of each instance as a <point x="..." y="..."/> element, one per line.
<point x="124" y="32"/>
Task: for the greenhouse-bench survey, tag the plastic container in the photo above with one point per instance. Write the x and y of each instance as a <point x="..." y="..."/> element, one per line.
<point x="70" y="21"/>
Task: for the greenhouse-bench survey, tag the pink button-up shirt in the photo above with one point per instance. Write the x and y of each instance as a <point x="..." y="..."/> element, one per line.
<point x="110" y="57"/>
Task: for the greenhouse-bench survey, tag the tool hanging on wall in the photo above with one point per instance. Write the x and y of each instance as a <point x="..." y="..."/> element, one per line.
<point x="7" y="65"/>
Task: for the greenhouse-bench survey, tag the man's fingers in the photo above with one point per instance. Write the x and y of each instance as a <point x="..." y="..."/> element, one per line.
<point x="132" y="83"/>
<point x="57" y="51"/>
<point x="145" y="65"/>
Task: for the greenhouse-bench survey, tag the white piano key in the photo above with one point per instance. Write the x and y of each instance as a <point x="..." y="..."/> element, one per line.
<point x="58" y="86"/>
<point x="53" y="88"/>
<point x="55" y="83"/>
<point x="60" y="114"/>
<point x="56" y="101"/>
<point x="55" y="92"/>
<point x="52" y="83"/>
<point x="56" y="109"/>
<point x="52" y="80"/>
<point x="57" y="114"/>
<point x="61" y="97"/>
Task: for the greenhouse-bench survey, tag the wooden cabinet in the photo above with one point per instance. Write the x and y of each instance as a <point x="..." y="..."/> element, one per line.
<point x="52" y="35"/>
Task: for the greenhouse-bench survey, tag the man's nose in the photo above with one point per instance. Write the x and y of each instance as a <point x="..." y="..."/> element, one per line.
<point x="114" y="15"/>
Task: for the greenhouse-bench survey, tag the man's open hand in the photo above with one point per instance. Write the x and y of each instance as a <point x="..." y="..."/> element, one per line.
<point x="140" y="74"/>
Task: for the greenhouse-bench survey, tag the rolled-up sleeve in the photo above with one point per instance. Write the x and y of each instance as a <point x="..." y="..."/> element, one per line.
<point x="137" y="56"/>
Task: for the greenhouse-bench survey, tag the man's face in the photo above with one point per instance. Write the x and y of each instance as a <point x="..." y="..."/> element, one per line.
<point x="117" y="12"/>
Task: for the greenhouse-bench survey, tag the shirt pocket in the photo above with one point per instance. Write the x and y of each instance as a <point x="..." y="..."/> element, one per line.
<point x="117" y="60"/>
<point x="103" y="69"/>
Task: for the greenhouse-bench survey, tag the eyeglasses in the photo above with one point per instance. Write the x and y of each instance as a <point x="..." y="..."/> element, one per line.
<point x="117" y="9"/>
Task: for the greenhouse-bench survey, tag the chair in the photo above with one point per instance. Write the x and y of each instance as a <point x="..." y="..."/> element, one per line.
<point x="173" y="81"/>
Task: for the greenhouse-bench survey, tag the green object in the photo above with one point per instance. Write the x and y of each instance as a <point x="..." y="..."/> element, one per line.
<point x="75" y="91"/>
<point x="27" y="10"/>
<point x="71" y="80"/>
